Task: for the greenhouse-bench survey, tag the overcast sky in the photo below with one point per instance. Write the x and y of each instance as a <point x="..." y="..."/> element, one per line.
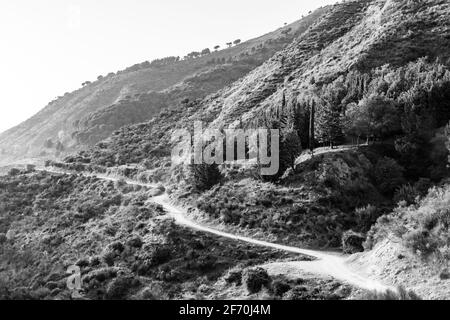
<point x="50" y="47"/>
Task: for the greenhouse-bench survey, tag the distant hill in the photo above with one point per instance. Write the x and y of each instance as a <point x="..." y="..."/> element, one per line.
<point x="134" y="95"/>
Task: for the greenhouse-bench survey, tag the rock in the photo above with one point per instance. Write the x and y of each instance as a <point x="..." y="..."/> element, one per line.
<point x="445" y="274"/>
<point x="352" y="242"/>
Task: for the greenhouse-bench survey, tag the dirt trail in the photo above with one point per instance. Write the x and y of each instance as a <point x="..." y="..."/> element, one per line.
<point x="327" y="264"/>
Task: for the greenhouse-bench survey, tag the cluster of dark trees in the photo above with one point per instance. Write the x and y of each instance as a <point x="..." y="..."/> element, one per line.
<point x="197" y="54"/>
<point x="207" y="51"/>
<point x="235" y="42"/>
<point x="404" y="106"/>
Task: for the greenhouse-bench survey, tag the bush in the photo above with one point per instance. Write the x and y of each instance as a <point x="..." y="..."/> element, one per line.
<point x="297" y="293"/>
<point x="135" y="242"/>
<point x="352" y="242"/>
<point x="366" y="217"/>
<point x="119" y="287"/>
<point x="147" y="294"/>
<point x="234" y="276"/>
<point x="445" y="274"/>
<point x="406" y="193"/>
<point x="388" y="175"/>
<point x="204" y="176"/>
<point x="422" y="186"/>
<point x="160" y="255"/>
<point x="255" y="279"/>
<point x="3" y="238"/>
<point x="399" y="294"/>
<point x="280" y="287"/>
<point x="421" y="242"/>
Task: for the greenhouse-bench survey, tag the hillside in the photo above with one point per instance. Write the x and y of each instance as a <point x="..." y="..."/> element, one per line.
<point x="374" y="71"/>
<point x="365" y="86"/>
<point x="331" y="66"/>
<point x="136" y="94"/>
<point x="126" y="247"/>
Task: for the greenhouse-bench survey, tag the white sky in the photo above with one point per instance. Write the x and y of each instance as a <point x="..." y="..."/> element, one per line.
<point x="49" y="47"/>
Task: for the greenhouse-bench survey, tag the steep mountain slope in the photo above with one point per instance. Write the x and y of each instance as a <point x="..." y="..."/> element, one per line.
<point x="136" y="94"/>
<point x="377" y="70"/>
<point x="332" y="67"/>
<point x="357" y="35"/>
<point x="350" y="41"/>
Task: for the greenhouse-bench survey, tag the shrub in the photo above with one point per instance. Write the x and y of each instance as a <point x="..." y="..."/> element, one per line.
<point x="101" y="275"/>
<point x="352" y="242"/>
<point x="135" y="242"/>
<point x="234" y="276"/>
<point x="297" y="293"/>
<point x="147" y="294"/>
<point x="280" y="287"/>
<point x="422" y="186"/>
<point x="399" y="294"/>
<point x="204" y="176"/>
<point x="421" y="242"/>
<point x="406" y="193"/>
<point x="82" y="262"/>
<point x="160" y="255"/>
<point x="445" y="274"/>
<point x="388" y="175"/>
<point x="366" y="217"/>
<point x="255" y="279"/>
<point x="119" y="287"/>
<point x="3" y="238"/>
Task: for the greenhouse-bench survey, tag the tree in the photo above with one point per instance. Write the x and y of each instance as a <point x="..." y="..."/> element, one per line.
<point x="238" y="41"/>
<point x="193" y="55"/>
<point x="374" y="117"/>
<point x="383" y="117"/>
<point x="328" y="128"/>
<point x="388" y="175"/>
<point x="290" y="149"/>
<point x="229" y="44"/>
<point x="447" y="135"/>
<point x="356" y="123"/>
<point x="216" y="47"/>
<point x="312" y="115"/>
<point x="206" y="51"/>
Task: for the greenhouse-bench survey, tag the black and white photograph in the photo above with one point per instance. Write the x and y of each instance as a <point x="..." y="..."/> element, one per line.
<point x="228" y="157"/>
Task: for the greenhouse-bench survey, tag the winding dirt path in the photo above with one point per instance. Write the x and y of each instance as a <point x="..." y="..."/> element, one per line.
<point x="327" y="264"/>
